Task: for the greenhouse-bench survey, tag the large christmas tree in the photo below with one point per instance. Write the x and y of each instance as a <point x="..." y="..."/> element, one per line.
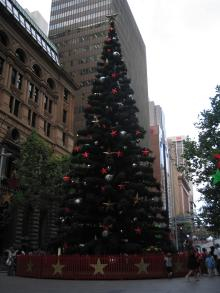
<point x="112" y="202"/>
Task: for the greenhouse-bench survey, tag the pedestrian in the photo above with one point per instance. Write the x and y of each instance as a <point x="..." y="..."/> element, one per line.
<point x="193" y="265"/>
<point x="217" y="260"/>
<point x="210" y="264"/>
<point x="203" y="255"/>
<point x="10" y="262"/>
<point x="168" y="261"/>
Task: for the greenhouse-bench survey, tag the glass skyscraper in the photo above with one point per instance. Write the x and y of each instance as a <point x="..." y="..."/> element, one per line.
<point x="78" y="28"/>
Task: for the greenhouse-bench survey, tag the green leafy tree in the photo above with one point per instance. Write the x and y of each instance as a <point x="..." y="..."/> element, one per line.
<point x="112" y="201"/>
<point x="39" y="170"/>
<point x="202" y="164"/>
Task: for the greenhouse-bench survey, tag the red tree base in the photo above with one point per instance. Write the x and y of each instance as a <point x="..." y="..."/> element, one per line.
<point x="111" y="267"/>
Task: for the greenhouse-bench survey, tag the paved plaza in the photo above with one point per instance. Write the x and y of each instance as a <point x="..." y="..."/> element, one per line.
<point x="176" y="285"/>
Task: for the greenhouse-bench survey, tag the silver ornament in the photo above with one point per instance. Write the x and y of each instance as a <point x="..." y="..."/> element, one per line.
<point x="123" y="132"/>
<point x="102" y="79"/>
<point x="105" y="233"/>
<point x="116" y="54"/>
<point x="108" y="177"/>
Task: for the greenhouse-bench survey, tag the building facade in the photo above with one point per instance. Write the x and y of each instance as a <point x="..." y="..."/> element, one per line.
<point x="158" y="144"/>
<point x="35" y="94"/>
<point x="79" y="27"/>
<point x="181" y="204"/>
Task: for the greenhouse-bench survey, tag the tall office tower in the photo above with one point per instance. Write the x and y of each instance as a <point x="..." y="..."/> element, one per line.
<point x="79" y="27"/>
<point x="158" y="145"/>
<point x="181" y="189"/>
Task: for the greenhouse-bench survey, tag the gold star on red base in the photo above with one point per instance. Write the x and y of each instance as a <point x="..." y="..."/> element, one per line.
<point x="99" y="267"/>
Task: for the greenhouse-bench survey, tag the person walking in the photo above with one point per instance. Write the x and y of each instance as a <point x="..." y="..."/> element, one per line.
<point x="193" y="265"/>
<point x="210" y="264"/>
<point x="168" y="261"/>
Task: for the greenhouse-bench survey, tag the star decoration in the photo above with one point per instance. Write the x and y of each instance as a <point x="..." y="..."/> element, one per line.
<point x="114" y="133"/>
<point x="29" y="266"/>
<point x="6" y="198"/>
<point x="108" y="205"/>
<point x="145" y="152"/>
<point x="58" y="268"/>
<point x="85" y="155"/>
<point x="114" y="91"/>
<point x="142" y="266"/>
<point x="104" y="171"/>
<point x="136" y="199"/>
<point x="216" y="177"/>
<point x="99" y="267"/>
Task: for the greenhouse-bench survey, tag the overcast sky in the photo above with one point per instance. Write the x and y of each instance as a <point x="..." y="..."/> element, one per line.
<point x="183" y="55"/>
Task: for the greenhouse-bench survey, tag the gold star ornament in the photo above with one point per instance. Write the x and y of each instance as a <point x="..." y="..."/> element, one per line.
<point x="29" y="266"/>
<point x="99" y="267"/>
<point x="142" y="266"/>
<point x="58" y="268"/>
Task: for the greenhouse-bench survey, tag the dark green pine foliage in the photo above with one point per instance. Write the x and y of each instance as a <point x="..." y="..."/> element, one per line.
<point x="112" y="202"/>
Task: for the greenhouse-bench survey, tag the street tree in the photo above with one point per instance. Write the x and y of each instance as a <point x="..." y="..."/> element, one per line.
<point x="202" y="162"/>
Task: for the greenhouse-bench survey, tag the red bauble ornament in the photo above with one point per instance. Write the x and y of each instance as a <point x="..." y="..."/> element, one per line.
<point x="76" y="149"/>
<point x="217" y="156"/>
<point x="121" y="186"/>
<point x="114" y="133"/>
<point x="104" y="171"/>
<point x="67" y="210"/>
<point x="119" y="154"/>
<point x="109" y="50"/>
<point x="137" y="132"/>
<point x="66" y="178"/>
<point x="138" y="230"/>
<point x="114" y="75"/>
<point x="114" y="91"/>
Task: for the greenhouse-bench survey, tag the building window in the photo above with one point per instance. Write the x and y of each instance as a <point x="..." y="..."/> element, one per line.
<point x="32" y="118"/>
<point x="20" y="54"/>
<point x="2" y="61"/>
<point x="33" y="92"/>
<point x="64" y="116"/>
<point x="64" y="138"/>
<point x="14" y="106"/>
<point x="37" y="70"/>
<point x="47" y="128"/>
<point x="16" y="78"/>
<point x="48" y="104"/>
<point x="66" y="94"/>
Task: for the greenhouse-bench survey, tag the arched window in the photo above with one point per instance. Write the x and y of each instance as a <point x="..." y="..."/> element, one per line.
<point x="51" y="83"/>
<point x="37" y="70"/>
<point x="20" y="54"/>
<point x="4" y="38"/>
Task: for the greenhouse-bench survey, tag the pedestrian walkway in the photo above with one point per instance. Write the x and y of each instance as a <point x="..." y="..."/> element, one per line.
<point x="180" y="285"/>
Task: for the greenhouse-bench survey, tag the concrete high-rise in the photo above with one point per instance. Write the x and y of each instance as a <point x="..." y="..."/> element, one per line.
<point x="158" y="145"/>
<point x="79" y="27"/>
